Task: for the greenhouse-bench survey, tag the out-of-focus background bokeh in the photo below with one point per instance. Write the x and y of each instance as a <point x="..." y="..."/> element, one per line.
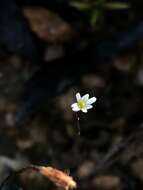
<point x="49" y="51"/>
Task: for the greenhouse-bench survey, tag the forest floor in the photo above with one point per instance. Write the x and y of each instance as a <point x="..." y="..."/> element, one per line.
<point x="52" y="137"/>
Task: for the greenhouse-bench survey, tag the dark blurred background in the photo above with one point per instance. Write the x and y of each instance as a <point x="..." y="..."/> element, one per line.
<point x="49" y="51"/>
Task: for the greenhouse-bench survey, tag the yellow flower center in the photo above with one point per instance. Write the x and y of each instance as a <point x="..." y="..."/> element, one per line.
<point x="81" y="104"/>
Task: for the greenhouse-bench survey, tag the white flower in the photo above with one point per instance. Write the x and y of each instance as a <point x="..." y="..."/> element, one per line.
<point x="83" y="103"/>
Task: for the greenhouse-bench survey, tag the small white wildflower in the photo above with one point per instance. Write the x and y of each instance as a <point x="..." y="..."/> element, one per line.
<point x="83" y="103"/>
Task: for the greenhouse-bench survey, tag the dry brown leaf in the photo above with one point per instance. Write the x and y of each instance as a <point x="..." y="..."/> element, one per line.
<point x="58" y="177"/>
<point x="48" y="26"/>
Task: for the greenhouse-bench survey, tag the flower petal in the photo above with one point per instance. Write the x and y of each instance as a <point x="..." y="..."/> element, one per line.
<point x="89" y="107"/>
<point x="75" y="107"/>
<point x="91" y="100"/>
<point x="78" y="96"/>
<point x="84" y="110"/>
<point x="85" y="97"/>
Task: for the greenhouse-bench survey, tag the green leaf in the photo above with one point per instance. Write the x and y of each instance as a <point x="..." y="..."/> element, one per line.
<point x="117" y="5"/>
<point x="80" y="5"/>
<point x="94" y="18"/>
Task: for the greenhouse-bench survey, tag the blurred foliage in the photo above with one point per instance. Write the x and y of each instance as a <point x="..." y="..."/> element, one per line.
<point x="95" y="8"/>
